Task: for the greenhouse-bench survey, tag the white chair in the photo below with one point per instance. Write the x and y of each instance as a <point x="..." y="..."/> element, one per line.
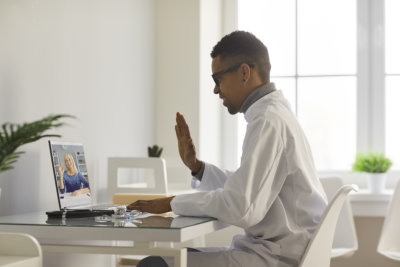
<point x="389" y="243"/>
<point x="19" y="250"/>
<point x="122" y="193"/>
<point x="318" y="251"/>
<point x="345" y="242"/>
<point x="145" y="188"/>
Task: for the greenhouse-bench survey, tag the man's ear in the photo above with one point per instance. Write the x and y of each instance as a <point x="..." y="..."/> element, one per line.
<point x="245" y="72"/>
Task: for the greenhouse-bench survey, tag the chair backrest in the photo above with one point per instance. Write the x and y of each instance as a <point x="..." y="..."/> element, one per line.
<point x="345" y="241"/>
<point x="156" y="165"/>
<point x="389" y="243"/>
<point x="318" y="251"/>
<point x="19" y="245"/>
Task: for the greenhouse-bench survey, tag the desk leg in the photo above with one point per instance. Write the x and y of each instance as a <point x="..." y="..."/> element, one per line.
<point x="180" y="260"/>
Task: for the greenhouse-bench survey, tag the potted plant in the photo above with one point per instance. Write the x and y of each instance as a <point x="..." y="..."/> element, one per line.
<point x="154" y="151"/>
<point x="376" y="166"/>
<point x="12" y="136"/>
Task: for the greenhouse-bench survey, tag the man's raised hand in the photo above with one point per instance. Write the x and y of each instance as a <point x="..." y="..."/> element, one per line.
<point x="187" y="150"/>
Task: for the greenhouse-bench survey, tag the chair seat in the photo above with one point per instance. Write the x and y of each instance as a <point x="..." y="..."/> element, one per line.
<point x="342" y="252"/>
<point x="389" y="243"/>
<point x="319" y="249"/>
<point x="391" y="254"/>
<point x="345" y="242"/>
<point x="19" y="250"/>
<point x="18" y="261"/>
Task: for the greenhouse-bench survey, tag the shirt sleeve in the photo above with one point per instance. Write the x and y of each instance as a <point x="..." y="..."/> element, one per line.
<point x="83" y="180"/>
<point x="249" y="192"/>
<point x="62" y="191"/>
<point x="213" y="178"/>
<point x="65" y="190"/>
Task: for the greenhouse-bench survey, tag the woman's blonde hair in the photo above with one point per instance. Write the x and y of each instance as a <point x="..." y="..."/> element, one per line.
<point x="68" y="155"/>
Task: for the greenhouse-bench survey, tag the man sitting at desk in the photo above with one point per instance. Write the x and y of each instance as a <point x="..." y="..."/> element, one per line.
<point x="275" y="194"/>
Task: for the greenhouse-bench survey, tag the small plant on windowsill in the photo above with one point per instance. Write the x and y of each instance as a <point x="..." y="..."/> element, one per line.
<point x="376" y="165"/>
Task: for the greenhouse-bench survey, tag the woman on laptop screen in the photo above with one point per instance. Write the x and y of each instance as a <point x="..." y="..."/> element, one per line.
<point x="72" y="181"/>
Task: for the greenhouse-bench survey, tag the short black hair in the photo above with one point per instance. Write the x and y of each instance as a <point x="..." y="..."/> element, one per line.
<point x="242" y="46"/>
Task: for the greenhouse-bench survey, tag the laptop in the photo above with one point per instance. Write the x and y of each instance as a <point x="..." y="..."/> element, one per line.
<point x="71" y="177"/>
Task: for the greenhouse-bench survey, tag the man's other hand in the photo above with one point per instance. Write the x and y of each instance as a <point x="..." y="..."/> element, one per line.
<point x="158" y="205"/>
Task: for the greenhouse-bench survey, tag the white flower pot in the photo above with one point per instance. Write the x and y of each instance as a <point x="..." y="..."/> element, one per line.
<point x="376" y="182"/>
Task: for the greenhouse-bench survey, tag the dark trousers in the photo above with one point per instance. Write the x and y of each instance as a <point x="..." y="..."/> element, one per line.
<point x="157" y="261"/>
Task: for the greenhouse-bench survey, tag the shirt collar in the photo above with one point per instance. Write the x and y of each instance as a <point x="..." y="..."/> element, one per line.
<point x="258" y="93"/>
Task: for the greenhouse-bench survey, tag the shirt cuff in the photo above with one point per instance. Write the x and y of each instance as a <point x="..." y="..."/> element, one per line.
<point x="199" y="174"/>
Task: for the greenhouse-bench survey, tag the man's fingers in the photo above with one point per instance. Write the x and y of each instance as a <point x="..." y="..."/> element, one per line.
<point x="132" y="207"/>
<point x="181" y="122"/>
<point x="178" y="132"/>
<point x="138" y="205"/>
<point x="145" y="208"/>
<point x="185" y="127"/>
<point x="191" y="145"/>
<point x="181" y="126"/>
<point x="182" y="132"/>
<point x="153" y="206"/>
<point x="178" y="127"/>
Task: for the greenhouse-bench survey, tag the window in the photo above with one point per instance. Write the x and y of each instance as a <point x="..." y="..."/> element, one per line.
<point x="392" y="81"/>
<point x="327" y="58"/>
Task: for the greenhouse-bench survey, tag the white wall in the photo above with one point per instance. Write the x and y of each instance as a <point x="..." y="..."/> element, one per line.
<point x="177" y="77"/>
<point x="94" y="59"/>
<point x="211" y="108"/>
<point x="124" y="68"/>
<point x="186" y="33"/>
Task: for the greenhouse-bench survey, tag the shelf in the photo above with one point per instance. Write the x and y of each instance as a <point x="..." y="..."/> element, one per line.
<point x="367" y="204"/>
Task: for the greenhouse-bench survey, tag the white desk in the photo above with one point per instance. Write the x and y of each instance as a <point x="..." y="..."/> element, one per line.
<point x="53" y="233"/>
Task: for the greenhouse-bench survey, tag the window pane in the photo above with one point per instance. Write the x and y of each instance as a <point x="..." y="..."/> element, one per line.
<point x="392" y="42"/>
<point x="288" y="87"/>
<point x="327" y="37"/>
<point x="262" y="18"/>
<point x="392" y="120"/>
<point x="327" y="113"/>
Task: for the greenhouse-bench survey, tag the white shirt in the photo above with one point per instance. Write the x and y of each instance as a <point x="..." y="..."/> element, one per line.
<point x="275" y="195"/>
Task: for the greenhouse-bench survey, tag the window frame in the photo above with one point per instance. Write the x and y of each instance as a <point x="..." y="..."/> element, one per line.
<point x="370" y="76"/>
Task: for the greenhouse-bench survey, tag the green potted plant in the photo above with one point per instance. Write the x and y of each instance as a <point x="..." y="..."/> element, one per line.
<point x="12" y="136"/>
<point x="154" y="151"/>
<point x="375" y="165"/>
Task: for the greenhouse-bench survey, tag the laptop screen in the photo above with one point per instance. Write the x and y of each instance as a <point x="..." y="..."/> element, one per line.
<point x="70" y="174"/>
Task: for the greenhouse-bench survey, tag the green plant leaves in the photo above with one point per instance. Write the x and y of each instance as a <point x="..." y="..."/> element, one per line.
<point x="372" y="163"/>
<point x="154" y="151"/>
<point x="12" y="136"/>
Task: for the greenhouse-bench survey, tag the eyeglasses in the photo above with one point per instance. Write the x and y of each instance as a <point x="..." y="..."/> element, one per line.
<point x="218" y="74"/>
